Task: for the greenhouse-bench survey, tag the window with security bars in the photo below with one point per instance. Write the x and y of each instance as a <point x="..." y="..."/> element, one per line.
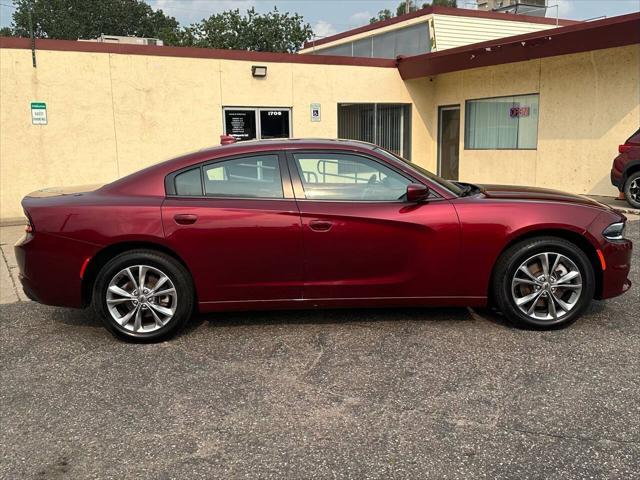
<point x="387" y="125"/>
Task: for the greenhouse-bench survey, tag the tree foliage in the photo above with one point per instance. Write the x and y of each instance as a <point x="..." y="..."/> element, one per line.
<point x="269" y="32"/>
<point x="413" y="6"/>
<point x="86" y="19"/>
<point x="73" y="19"/>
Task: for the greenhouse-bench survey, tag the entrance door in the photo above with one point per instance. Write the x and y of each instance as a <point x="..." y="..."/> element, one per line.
<point x="448" y="141"/>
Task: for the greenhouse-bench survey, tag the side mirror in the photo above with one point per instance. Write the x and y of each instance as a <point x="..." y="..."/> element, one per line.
<point x="417" y="192"/>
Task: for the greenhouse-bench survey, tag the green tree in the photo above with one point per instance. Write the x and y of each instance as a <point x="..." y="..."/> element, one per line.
<point x="385" y="14"/>
<point x="401" y="9"/>
<point x="269" y="32"/>
<point x="73" y="19"/>
<point x="6" y="32"/>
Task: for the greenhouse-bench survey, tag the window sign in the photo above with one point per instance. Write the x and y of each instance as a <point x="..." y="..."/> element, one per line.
<point x="38" y="113"/>
<point x="241" y="124"/>
<point x="518" y="111"/>
<point x="257" y="123"/>
<point x="315" y="112"/>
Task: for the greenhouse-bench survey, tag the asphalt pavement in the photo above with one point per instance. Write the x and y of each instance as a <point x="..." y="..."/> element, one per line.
<point x="404" y="393"/>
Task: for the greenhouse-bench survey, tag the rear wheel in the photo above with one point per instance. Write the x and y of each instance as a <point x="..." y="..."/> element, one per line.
<point x="632" y="189"/>
<point x="143" y="295"/>
<point x="543" y="282"/>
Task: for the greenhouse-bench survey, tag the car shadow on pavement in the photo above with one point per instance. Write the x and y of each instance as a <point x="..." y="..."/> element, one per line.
<point x="363" y="317"/>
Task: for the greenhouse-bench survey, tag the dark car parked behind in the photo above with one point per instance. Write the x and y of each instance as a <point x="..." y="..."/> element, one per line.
<point x="625" y="172"/>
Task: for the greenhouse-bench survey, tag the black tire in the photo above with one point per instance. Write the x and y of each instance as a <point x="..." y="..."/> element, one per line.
<point x="633" y="197"/>
<point x="514" y="256"/>
<point x="173" y="269"/>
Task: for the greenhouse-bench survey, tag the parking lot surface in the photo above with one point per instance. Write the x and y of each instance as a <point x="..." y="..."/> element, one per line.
<point x="410" y="393"/>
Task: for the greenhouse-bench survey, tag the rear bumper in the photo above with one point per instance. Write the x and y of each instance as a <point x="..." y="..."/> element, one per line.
<point x="50" y="268"/>
<point x="615" y="278"/>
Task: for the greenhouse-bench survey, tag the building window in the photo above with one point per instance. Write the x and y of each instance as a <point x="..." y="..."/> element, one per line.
<point x="411" y="40"/>
<point x="503" y="123"/>
<point x="257" y="123"/>
<point x="387" y="125"/>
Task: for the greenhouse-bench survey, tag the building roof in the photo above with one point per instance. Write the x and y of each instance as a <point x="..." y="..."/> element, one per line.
<point x="607" y="33"/>
<point x="458" y="12"/>
<point x="192" y="52"/>
<point x="576" y="38"/>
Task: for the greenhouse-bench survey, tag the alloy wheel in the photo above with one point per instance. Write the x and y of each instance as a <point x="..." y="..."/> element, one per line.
<point x="141" y="299"/>
<point x="634" y="190"/>
<point x="546" y="286"/>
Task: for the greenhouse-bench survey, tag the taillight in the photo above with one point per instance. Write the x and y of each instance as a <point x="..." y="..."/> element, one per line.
<point x="624" y="148"/>
<point x="28" y="228"/>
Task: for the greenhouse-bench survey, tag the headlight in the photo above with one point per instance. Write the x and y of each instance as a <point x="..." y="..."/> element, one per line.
<point x="615" y="231"/>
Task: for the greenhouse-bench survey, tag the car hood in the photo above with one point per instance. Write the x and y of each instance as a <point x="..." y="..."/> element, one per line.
<point x="60" y="191"/>
<point x="534" y="193"/>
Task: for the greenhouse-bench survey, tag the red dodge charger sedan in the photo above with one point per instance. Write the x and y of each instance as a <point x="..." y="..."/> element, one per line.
<point x="314" y="223"/>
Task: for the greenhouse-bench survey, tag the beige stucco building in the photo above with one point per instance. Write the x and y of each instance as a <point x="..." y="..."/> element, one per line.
<point x="572" y="94"/>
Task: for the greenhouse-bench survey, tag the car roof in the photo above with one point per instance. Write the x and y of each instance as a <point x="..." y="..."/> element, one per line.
<point x="290" y="143"/>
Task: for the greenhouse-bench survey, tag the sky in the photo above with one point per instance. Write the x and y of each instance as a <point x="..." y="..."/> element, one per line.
<point x="332" y="16"/>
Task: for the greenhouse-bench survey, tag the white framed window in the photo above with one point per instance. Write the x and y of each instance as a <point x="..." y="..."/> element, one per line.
<point x="502" y="123"/>
<point x="257" y="123"/>
<point x="385" y="124"/>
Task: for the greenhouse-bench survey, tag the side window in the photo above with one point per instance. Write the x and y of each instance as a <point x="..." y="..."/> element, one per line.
<point x="189" y="183"/>
<point x="329" y="176"/>
<point x="256" y="176"/>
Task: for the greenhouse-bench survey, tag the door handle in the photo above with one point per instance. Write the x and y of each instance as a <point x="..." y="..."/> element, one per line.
<point x="185" y="218"/>
<point x="320" y="225"/>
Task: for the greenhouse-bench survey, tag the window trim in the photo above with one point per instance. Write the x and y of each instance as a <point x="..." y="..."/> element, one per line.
<point x="298" y="185"/>
<point x="466" y="110"/>
<point x="285" y="178"/>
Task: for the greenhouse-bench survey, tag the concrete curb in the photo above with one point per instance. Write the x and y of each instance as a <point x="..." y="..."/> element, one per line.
<point x="13" y="222"/>
<point x="627" y="211"/>
<point x="618" y="204"/>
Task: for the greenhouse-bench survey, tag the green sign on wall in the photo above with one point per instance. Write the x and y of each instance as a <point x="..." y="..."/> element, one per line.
<point x="38" y="113"/>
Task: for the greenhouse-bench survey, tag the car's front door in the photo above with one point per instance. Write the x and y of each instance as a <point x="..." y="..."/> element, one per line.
<point x="235" y="223"/>
<point x="362" y="240"/>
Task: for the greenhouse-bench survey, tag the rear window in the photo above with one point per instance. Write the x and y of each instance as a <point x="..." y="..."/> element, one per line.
<point x="256" y="176"/>
<point x="189" y="183"/>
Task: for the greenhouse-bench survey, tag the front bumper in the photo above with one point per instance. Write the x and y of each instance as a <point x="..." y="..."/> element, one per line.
<point x="615" y="277"/>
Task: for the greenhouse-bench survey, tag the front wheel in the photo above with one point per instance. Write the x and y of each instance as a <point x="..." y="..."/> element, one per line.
<point x="632" y="189"/>
<point x="143" y="295"/>
<point x="543" y="282"/>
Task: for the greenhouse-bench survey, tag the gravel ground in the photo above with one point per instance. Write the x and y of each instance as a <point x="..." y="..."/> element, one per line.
<point x="443" y="393"/>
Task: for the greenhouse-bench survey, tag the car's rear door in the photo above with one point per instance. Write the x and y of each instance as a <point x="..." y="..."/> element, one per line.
<point x="362" y="240"/>
<point x="235" y="223"/>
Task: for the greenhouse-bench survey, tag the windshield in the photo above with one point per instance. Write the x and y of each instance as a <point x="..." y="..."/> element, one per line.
<point x="452" y="187"/>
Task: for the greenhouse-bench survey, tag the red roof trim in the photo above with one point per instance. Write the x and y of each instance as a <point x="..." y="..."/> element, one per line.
<point x="190" y="52"/>
<point x="458" y="12"/>
<point x="600" y="34"/>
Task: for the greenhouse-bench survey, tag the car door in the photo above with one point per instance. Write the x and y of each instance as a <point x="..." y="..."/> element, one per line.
<point x="235" y="223"/>
<point x="362" y="239"/>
